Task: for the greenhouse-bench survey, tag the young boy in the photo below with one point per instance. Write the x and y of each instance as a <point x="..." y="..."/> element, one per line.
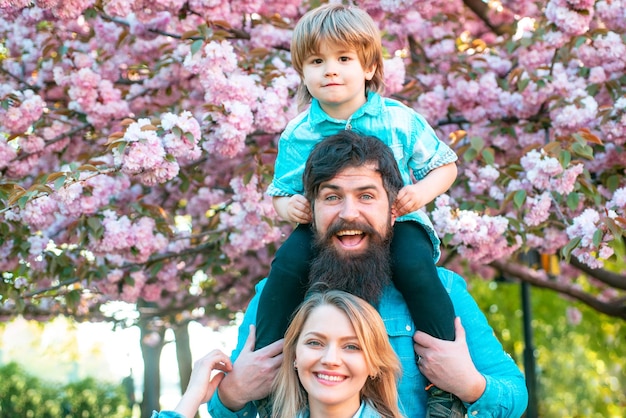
<point x="337" y="51"/>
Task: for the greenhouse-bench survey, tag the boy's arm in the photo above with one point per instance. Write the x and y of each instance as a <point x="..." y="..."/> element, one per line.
<point x="414" y="197"/>
<point x="293" y="208"/>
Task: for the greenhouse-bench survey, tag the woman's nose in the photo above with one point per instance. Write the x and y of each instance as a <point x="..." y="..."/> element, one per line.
<point x="331" y="356"/>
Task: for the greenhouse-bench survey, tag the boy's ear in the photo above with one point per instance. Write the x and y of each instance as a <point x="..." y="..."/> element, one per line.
<point x="369" y="72"/>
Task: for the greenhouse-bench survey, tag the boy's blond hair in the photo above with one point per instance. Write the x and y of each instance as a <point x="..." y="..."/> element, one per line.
<point x="346" y="26"/>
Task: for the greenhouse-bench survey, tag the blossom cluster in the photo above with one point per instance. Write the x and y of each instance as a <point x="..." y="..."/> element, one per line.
<point x="478" y="238"/>
<point x="538" y="119"/>
<point x="152" y="156"/>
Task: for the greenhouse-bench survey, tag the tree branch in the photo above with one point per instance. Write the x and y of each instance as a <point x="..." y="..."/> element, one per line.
<point x="481" y="10"/>
<point x="615" y="307"/>
<point x="609" y="278"/>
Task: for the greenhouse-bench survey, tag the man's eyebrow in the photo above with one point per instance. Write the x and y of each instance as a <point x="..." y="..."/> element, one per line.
<point x="361" y="188"/>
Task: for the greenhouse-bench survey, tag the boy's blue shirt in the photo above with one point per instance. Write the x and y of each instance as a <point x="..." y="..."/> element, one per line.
<point x="414" y="143"/>
<point x="505" y="393"/>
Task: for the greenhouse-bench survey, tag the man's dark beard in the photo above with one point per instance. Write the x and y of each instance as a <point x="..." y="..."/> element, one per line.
<point x="364" y="275"/>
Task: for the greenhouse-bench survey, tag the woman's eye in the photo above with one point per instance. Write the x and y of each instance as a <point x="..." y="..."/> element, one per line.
<point x="353" y="347"/>
<point x="314" y="343"/>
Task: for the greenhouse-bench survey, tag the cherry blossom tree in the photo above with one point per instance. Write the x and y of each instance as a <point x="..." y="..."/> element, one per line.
<point x="137" y="139"/>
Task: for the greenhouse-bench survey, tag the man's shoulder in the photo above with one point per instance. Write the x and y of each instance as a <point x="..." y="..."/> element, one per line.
<point x="392" y="303"/>
<point x="450" y="279"/>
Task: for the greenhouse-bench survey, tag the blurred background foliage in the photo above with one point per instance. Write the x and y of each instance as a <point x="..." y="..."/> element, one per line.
<point x="580" y="361"/>
<point x="24" y="395"/>
<point x="581" y="368"/>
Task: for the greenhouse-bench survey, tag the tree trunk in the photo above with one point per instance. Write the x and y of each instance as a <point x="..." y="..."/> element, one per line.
<point x="183" y="354"/>
<point x="152" y="372"/>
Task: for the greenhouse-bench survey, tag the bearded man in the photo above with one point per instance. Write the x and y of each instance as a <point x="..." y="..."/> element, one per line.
<point x="351" y="182"/>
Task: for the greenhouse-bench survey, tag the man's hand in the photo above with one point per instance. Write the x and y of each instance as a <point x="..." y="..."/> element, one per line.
<point x="448" y="364"/>
<point x="252" y="374"/>
<point x="294" y="208"/>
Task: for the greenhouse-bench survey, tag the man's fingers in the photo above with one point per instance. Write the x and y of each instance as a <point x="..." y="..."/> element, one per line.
<point x="423" y="339"/>
<point x="274" y="349"/>
<point x="458" y="329"/>
<point x="249" y="345"/>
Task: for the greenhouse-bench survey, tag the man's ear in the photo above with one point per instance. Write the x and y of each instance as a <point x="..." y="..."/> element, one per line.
<point x="394" y="214"/>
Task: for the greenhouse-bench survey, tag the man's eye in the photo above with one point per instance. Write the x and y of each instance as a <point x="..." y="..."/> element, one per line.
<point x="367" y="197"/>
<point x="331" y="198"/>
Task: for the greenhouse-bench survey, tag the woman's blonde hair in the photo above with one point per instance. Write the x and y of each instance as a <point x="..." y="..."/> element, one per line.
<point x="346" y="26"/>
<point x="380" y="389"/>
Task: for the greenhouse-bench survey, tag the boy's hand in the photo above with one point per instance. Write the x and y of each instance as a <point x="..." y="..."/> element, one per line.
<point x="298" y="209"/>
<point x="410" y="198"/>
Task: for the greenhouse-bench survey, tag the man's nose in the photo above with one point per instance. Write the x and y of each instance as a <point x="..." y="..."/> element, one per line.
<point x="349" y="210"/>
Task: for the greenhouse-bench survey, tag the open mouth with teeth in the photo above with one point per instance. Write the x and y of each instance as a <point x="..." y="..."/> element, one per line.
<point x="350" y="238"/>
<point x="330" y="378"/>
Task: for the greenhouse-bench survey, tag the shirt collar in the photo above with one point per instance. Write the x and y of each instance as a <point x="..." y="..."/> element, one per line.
<point x="373" y="107"/>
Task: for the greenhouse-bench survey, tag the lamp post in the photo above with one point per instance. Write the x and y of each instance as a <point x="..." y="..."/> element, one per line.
<point x="533" y="260"/>
<point x="529" y="352"/>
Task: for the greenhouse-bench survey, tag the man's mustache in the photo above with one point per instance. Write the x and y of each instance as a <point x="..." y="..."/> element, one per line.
<point x="341" y="225"/>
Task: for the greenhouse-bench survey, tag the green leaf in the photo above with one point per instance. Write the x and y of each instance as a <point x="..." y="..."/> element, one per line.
<point x="73" y="298"/>
<point x="579" y="41"/>
<point x="597" y="237"/>
<point x="247" y="177"/>
<point x="94" y="224"/>
<point x="566" y="251"/>
<point x="196" y="45"/>
<point x="470" y="155"/>
<point x="522" y="83"/>
<point x="155" y="268"/>
<point x="615" y="229"/>
<point x="613" y="182"/>
<point x="583" y="150"/>
<point x="519" y="198"/>
<point x="488" y="156"/>
<point x="21" y="202"/>
<point x="565" y="157"/>
<point x="477" y="143"/>
<point x="58" y="183"/>
<point x="572" y="200"/>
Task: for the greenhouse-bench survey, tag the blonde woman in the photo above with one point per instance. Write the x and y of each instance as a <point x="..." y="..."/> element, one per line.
<point x="337" y="362"/>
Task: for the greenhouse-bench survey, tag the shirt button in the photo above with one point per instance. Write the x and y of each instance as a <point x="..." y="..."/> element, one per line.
<point x="474" y="413"/>
<point x="245" y="414"/>
<point x="408" y="328"/>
